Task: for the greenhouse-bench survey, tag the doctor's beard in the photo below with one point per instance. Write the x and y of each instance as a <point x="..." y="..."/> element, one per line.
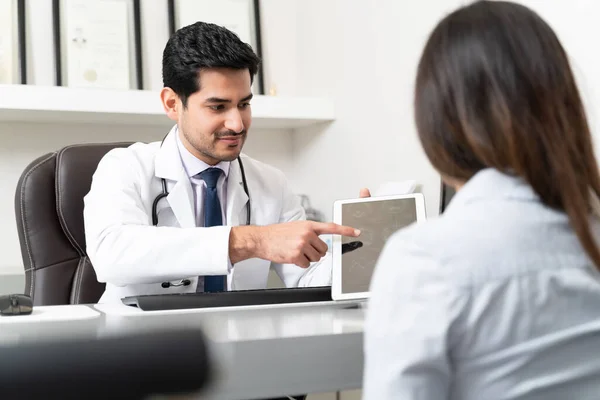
<point x="217" y="148"/>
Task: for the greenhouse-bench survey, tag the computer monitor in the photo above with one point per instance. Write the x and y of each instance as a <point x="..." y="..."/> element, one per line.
<point x="446" y="194"/>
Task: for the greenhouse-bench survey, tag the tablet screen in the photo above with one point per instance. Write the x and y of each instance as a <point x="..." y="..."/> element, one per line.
<point x="377" y="221"/>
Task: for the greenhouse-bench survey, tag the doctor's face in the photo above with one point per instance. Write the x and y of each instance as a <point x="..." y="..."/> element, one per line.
<point x="216" y="120"/>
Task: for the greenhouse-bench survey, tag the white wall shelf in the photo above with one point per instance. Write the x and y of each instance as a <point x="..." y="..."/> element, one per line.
<point x="28" y="103"/>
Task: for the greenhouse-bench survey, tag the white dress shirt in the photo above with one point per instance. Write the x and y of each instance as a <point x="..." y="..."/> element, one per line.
<point x="193" y="166"/>
<point x="496" y="299"/>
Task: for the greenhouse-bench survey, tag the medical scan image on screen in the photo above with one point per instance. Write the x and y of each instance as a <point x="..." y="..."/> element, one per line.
<point x="377" y="221"/>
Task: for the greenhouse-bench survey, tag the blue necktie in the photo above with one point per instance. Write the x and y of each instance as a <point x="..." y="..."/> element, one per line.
<point x="212" y="217"/>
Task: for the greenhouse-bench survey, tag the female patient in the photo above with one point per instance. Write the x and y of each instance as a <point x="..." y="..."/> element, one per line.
<point x="500" y="297"/>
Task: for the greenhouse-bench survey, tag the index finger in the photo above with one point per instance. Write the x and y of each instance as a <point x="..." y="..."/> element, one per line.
<point x="322" y="228"/>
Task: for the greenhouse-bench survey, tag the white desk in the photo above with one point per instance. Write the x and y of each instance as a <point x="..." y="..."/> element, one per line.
<point x="263" y="351"/>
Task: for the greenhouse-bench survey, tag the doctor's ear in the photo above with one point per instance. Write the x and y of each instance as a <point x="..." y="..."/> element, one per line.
<point x="170" y="102"/>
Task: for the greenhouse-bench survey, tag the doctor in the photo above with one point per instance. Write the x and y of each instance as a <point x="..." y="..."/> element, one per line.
<point x="191" y="213"/>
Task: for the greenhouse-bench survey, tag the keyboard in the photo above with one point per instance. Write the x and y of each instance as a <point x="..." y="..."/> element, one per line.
<point x="176" y="301"/>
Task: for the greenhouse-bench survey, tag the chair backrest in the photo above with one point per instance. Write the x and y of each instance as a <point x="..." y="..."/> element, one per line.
<point x="49" y="212"/>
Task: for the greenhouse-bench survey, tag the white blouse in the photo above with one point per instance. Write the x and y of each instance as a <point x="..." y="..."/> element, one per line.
<point x="496" y="299"/>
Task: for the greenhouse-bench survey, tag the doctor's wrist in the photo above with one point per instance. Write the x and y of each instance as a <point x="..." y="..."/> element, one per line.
<point x="244" y="243"/>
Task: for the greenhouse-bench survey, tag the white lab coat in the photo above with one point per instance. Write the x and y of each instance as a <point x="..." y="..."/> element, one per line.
<point x="134" y="258"/>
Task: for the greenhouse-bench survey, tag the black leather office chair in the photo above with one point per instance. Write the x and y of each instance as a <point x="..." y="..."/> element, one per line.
<point x="135" y="366"/>
<point x="49" y="212"/>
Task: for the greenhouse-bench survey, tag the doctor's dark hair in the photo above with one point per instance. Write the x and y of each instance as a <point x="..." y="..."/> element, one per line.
<point x="494" y="89"/>
<point x="201" y="46"/>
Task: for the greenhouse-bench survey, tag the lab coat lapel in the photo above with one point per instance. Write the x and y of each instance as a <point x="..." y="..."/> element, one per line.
<point x="181" y="200"/>
<point x="168" y="166"/>
<point x="236" y="196"/>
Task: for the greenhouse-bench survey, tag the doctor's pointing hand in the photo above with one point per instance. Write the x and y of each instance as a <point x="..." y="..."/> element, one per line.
<point x="291" y="242"/>
<point x="192" y="213"/>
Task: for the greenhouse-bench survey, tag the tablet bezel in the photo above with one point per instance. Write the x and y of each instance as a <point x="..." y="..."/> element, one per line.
<point x="336" y="287"/>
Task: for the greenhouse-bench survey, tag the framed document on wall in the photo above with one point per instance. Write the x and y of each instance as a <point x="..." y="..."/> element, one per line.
<point x="240" y="16"/>
<point x="13" y="65"/>
<point x="97" y="43"/>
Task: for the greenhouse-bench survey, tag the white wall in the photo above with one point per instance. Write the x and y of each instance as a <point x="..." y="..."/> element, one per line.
<point x="363" y="54"/>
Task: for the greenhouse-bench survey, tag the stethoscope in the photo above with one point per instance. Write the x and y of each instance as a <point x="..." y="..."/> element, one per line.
<point x="164" y="193"/>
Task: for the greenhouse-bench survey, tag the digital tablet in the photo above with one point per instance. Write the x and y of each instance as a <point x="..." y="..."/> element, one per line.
<point x="378" y="218"/>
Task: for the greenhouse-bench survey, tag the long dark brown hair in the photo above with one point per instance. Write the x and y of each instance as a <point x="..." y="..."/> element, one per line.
<point x="494" y="89"/>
